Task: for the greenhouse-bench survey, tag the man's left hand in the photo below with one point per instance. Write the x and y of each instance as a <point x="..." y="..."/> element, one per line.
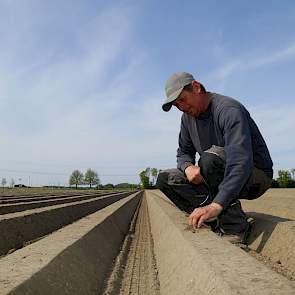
<point x="200" y="215"/>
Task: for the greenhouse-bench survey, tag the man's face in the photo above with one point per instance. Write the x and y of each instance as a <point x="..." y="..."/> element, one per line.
<point x="189" y="103"/>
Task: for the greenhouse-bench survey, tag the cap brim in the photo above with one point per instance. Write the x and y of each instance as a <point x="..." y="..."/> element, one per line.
<point x="167" y="106"/>
<point x="169" y="101"/>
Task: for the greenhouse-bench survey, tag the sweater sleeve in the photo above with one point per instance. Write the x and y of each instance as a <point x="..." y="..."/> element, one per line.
<point x="186" y="153"/>
<point x="234" y="124"/>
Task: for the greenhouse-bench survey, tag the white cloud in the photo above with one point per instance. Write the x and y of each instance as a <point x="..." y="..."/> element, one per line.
<point x="276" y="122"/>
<point x="83" y="110"/>
<point x="282" y="55"/>
<point x="221" y="74"/>
<point x="65" y="109"/>
<point x="80" y="99"/>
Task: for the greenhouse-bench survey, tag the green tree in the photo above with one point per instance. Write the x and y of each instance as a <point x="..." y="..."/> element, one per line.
<point x="293" y="173"/>
<point x="148" y="177"/>
<point x="91" y="177"/>
<point x="76" y="178"/>
<point x="144" y="178"/>
<point x="284" y="178"/>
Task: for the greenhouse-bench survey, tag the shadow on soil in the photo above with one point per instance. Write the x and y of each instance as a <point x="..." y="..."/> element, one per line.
<point x="263" y="227"/>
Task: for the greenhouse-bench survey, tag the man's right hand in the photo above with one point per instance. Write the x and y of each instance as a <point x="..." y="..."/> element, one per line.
<point x="193" y="174"/>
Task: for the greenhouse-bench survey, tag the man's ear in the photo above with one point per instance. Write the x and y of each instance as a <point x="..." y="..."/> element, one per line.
<point x="196" y="86"/>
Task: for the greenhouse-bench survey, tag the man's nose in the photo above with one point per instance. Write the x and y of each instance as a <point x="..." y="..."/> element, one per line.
<point x="180" y="108"/>
<point x="183" y="107"/>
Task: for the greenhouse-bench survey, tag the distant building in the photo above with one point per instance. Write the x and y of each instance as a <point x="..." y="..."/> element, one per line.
<point x="20" y="185"/>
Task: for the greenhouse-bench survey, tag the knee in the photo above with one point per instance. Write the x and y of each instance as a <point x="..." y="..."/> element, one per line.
<point x="162" y="180"/>
<point x="168" y="177"/>
<point x="206" y="162"/>
<point x="210" y="163"/>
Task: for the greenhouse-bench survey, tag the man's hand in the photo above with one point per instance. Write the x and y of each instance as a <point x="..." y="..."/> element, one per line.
<point x="193" y="174"/>
<point x="200" y="215"/>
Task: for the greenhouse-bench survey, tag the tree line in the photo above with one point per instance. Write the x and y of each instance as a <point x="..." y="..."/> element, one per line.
<point x="90" y="178"/>
<point x="285" y="178"/>
<point x="148" y="178"/>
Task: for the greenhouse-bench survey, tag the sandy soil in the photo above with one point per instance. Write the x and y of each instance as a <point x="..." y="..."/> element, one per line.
<point x="274" y="203"/>
<point x="135" y="269"/>
<point x="277" y="202"/>
<point x="276" y="266"/>
<point x="39" y="191"/>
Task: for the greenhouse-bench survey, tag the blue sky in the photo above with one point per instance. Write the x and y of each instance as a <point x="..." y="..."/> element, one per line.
<point x="82" y="82"/>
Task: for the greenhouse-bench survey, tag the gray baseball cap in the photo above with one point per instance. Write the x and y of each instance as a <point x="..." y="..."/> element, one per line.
<point x="174" y="86"/>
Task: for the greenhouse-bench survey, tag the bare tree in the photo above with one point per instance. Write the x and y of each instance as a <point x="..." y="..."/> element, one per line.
<point x="3" y="182"/>
<point x="293" y="173"/>
<point x="154" y="174"/>
<point x="76" y="178"/>
<point x="12" y="182"/>
<point x="91" y="177"/>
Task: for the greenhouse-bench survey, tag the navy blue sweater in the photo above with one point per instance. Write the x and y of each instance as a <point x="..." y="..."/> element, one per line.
<point x="228" y="124"/>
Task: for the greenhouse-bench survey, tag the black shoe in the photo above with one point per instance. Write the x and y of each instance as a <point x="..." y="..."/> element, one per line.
<point x="233" y="220"/>
<point x="240" y="239"/>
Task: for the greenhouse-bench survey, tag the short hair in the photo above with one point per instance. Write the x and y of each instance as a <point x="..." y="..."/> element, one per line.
<point x="189" y="88"/>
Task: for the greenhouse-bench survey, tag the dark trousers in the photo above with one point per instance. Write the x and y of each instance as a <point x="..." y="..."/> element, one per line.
<point x="188" y="196"/>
